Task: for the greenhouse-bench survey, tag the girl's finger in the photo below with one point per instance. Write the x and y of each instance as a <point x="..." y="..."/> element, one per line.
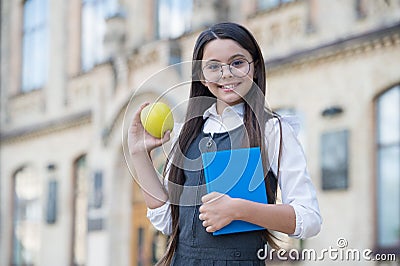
<point x="166" y="136"/>
<point x="210" y="229"/>
<point x="136" y="117"/>
<point x="159" y="142"/>
<point x="201" y="217"/>
<point x="211" y="197"/>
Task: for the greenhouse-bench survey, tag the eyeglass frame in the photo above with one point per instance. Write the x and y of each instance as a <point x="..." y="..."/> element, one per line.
<point x="229" y="67"/>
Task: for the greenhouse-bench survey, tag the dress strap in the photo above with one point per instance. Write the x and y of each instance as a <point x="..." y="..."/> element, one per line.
<point x="280" y="147"/>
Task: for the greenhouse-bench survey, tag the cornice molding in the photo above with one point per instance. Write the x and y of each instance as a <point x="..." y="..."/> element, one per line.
<point x="363" y="43"/>
<point x="47" y="127"/>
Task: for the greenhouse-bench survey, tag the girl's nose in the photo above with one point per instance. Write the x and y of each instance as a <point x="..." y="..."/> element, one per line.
<point x="226" y="73"/>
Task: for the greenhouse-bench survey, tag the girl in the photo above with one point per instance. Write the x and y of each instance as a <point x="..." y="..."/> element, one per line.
<point x="226" y="111"/>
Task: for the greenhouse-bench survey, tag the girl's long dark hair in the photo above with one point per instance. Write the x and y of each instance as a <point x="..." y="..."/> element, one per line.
<point x="255" y="118"/>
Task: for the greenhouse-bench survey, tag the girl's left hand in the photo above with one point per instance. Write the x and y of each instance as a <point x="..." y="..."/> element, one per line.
<point x="217" y="211"/>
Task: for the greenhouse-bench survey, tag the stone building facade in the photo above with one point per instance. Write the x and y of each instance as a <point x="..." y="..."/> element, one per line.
<point x="72" y="72"/>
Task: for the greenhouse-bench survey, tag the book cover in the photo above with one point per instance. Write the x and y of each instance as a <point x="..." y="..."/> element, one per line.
<point x="239" y="174"/>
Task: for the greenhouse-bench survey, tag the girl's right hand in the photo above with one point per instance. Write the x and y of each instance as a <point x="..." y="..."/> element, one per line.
<point x="139" y="140"/>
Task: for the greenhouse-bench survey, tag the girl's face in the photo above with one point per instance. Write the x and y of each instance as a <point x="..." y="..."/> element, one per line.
<point x="229" y="89"/>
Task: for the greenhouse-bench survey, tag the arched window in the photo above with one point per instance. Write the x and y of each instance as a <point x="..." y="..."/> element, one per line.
<point x="27" y="215"/>
<point x="80" y="196"/>
<point x="388" y="169"/>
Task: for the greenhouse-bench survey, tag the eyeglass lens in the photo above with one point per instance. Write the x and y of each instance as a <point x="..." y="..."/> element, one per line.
<point x="213" y="71"/>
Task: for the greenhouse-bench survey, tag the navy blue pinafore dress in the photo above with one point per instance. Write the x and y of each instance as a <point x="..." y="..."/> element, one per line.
<point x="195" y="245"/>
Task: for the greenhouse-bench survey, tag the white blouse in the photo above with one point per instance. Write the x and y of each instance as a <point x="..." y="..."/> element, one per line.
<point x="294" y="181"/>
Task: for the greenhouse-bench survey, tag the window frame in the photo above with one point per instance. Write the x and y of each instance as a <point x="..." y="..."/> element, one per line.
<point x="173" y="7"/>
<point x="378" y="249"/>
<point x="89" y="55"/>
<point x="13" y="209"/>
<point x="41" y="30"/>
<point x="78" y="163"/>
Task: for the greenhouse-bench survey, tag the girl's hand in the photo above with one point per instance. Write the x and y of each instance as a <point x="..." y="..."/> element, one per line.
<point x="217" y="211"/>
<point x="138" y="138"/>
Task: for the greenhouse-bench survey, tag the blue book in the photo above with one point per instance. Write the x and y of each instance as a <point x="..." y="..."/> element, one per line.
<point x="239" y="174"/>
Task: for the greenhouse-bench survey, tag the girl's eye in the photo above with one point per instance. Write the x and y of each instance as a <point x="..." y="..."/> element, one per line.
<point x="238" y="63"/>
<point x="213" y="67"/>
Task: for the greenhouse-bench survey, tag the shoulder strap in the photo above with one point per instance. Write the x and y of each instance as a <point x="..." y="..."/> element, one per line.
<point x="280" y="148"/>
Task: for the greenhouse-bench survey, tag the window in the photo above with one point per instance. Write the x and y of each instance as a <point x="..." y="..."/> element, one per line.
<point x="267" y="4"/>
<point x="80" y="211"/>
<point x="388" y="168"/>
<point x="26" y="218"/>
<point x="360" y="9"/>
<point x="35" y="42"/>
<point x="95" y="201"/>
<point x="335" y="160"/>
<point x="174" y="17"/>
<point x="158" y="246"/>
<point x="140" y="254"/>
<point x="94" y="14"/>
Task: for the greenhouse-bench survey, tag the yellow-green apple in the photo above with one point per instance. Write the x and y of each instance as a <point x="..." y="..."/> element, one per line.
<point x="157" y="118"/>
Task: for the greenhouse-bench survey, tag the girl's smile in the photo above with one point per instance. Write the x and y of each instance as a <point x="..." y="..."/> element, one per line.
<point x="229" y="87"/>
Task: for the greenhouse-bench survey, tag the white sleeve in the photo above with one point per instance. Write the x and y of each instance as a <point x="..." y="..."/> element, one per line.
<point x="161" y="217"/>
<point x="294" y="180"/>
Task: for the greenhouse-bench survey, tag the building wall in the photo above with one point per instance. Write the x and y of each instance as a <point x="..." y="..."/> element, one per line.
<point x="318" y="54"/>
<point x="60" y="148"/>
<point x="352" y="82"/>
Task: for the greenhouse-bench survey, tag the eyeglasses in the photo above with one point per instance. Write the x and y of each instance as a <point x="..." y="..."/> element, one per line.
<point x="213" y="71"/>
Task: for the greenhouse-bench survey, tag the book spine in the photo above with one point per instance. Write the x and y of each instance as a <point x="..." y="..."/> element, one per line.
<point x="206" y="173"/>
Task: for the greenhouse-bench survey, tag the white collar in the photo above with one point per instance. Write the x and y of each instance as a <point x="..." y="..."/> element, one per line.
<point x="212" y="111"/>
<point x="231" y="118"/>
